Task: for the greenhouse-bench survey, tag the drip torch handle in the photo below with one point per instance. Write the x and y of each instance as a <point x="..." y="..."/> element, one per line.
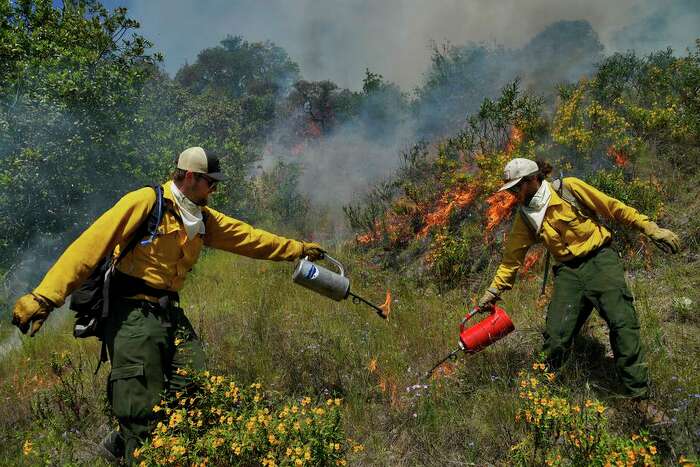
<point x="337" y="263"/>
<point x="470" y="315"/>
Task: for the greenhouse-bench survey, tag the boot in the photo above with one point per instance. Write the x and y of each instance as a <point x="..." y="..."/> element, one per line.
<point x="113" y="446"/>
<point x="651" y="414"/>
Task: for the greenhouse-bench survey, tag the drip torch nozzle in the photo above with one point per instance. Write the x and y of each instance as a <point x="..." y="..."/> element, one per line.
<point x="450" y="356"/>
<point x="357" y="300"/>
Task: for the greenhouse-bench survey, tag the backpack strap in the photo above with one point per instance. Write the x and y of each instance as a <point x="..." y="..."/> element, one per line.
<point x="558" y="186"/>
<point x="148" y="227"/>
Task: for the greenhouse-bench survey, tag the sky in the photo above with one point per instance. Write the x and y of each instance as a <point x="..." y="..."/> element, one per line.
<point x="339" y="39"/>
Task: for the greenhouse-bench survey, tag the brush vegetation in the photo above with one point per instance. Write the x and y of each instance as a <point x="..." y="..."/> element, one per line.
<point x="261" y="328"/>
<point x="297" y="379"/>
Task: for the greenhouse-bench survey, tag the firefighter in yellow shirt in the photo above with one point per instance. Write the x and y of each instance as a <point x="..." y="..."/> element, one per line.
<point x="144" y="317"/>
<point x="587" y="273"/>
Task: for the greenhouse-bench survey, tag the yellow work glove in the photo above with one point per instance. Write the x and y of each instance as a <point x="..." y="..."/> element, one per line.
<point x="663" y="238"/>
<point x="313" y="251"/>
<point x="490" y="297"/>
<point x="31" y="309"/>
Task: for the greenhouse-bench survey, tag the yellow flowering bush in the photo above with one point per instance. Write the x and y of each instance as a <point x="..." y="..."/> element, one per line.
<point x="220" y="423"/>
<point x="562" y="432"/>
<point x="633" y="106"/>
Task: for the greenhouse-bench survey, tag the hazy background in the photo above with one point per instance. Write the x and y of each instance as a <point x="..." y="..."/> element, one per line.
<point x="338" y="39"/>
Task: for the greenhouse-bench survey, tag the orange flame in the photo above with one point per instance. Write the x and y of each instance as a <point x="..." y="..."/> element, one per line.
<point x="443" y="371"/>
<point x="500" y="206"/>
<point x="514" y="140"/>
<point x="386" y="306"/>
<point x="530" y="260"/>
<point x="372" y="366"/>
<point x="389" y="387"/>
<point x="365" y="239"/>
<point x="445" y="206"/>
<point x="621" y="160"/>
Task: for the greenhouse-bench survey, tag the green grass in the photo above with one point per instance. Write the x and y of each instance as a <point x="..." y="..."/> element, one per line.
<point x="260" y="327"/>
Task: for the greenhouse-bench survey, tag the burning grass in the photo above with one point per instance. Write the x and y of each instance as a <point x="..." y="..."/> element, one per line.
<point x="501" y="206"/>
<point x="448" y="202"/>
<point x="618" y="156"/>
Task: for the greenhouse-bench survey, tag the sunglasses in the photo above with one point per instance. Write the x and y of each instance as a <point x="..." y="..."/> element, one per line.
<point x="211" y="183"/>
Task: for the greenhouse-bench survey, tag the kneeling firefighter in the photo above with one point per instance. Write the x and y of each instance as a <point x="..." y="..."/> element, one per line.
<point x="144" y="321"/>
<point x="563" y="215"/>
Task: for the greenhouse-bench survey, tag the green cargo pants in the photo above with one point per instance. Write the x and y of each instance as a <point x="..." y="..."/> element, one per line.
<point x="597" y="282"/>
<point x="141" y="343"/>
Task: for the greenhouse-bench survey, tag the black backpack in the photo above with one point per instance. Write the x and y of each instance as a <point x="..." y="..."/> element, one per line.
<point x="90" y="300"/>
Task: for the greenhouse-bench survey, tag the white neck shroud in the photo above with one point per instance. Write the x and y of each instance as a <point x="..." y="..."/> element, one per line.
<point x="191" y="213"/>
<point x="535" y="210"/>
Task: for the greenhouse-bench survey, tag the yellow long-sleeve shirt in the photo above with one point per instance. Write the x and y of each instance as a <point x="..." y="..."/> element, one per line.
<point x="165" y="262"/>
<point x="565" y="232"/>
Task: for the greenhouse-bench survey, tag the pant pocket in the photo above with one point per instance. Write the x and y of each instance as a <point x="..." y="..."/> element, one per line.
<point x="128" y="392"/>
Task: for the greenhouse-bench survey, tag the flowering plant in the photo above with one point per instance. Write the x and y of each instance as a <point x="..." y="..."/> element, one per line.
<point x="219" y="423"/>
<point x="562" y="432"/>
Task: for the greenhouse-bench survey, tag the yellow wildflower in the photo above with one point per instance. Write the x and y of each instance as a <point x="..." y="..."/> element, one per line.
<point x="337" y="401"/>
<point x="175" y="419"/>
<point x="306" y="401"/>
<point x="137" y="453"/>
<point x="372" y="366"/>
<point x="236" y="448"/>
<point x="358" y="448"/>
<point x="178" y="341"/>
<point x="27" y="447"/>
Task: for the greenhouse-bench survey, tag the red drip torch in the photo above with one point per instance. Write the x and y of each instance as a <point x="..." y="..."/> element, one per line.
<point x="474" y="338"/>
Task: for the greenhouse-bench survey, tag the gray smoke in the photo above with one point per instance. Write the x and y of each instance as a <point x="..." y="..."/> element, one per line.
<point x="338" y="39"/>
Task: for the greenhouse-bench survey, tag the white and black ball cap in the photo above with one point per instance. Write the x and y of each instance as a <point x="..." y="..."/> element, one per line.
<point x="516" y="170"/>
<point x="197" y="160"/>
